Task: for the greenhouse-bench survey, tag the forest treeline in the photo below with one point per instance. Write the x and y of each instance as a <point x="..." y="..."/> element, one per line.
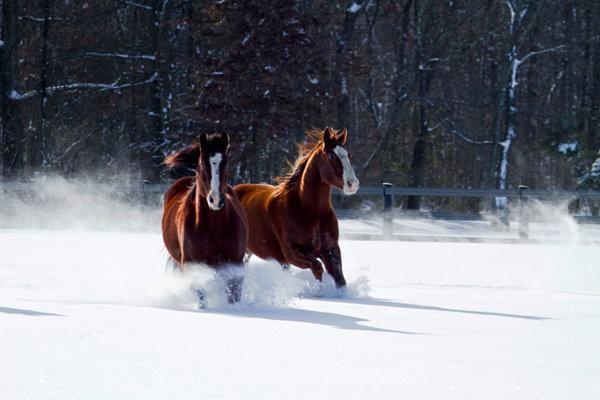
<point x="434" y="93"/>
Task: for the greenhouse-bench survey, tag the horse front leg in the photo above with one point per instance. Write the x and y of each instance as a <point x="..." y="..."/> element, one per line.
<point x="234" y="280"/>
<point x="333" y="264"/>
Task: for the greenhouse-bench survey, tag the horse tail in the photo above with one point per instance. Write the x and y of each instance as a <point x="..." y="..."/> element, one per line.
<point x="172" y="266"/>
<point x="186" y="158"/>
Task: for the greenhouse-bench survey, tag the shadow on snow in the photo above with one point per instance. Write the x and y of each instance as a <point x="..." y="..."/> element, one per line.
<point x="7" y="310"/>
<point x="383" y="303"/>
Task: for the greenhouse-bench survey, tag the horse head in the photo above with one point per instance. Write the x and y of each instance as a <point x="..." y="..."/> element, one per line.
<point x="335" y="166"/>
<point x="212" y="169"/>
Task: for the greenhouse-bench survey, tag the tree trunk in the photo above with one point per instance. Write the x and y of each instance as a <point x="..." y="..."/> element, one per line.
<point x="343" y="103"/>
<point x="40" y="159"/>
<point x="157" y="126"/>
<point x="420" y="150"/>
<point x="420" y="114"/>
<point x="10" y="123"/>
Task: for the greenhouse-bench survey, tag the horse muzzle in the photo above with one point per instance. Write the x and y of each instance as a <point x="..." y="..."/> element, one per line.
<point x="216" y="201"/>
<point x="351" y="186"/>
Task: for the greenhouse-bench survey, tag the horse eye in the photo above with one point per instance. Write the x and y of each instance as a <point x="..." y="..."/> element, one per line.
<point x="331" y="156"/>
<point x="202" y="165"/>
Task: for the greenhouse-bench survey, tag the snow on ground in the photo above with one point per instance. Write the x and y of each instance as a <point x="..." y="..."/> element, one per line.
<point x="92" y="315"/>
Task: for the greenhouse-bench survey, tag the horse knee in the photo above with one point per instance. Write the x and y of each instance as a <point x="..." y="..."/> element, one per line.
<point x="317" y="270"/>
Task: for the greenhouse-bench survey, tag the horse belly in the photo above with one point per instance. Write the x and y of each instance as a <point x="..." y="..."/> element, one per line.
<point x="262" y="240"/>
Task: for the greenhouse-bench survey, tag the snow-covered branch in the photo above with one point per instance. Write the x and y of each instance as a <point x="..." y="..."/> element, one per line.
<point x="534" y="53"/>
<point x="127" y="56"/>
<point x="39" y="19"/>
<point x="138" y="5"/>
<point x="103" y="87"/>
<point x="466" y="139"/>
<point x="354" y="8"/>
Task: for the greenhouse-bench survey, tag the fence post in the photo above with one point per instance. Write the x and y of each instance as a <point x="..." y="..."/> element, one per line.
<point x="388" y="212"/>
<point x="523" y="214"/>
<point x="144" y="199"/>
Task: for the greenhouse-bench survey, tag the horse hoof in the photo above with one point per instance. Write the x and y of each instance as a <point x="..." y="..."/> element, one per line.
<point x="341" y="291"/>
<point x="319" y="292"/>
<point x="201" y="303"/>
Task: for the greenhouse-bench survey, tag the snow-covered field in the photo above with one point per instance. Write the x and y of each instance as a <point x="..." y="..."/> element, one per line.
<point x="92" y="315"/>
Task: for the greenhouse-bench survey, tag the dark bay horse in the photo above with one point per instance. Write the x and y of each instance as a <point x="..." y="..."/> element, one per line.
<point x="203" y="221"/>
<point x="294" y="222"/>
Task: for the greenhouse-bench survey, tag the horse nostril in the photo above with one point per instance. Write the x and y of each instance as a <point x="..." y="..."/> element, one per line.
<point x="348" y="183"/>
<point x="210" y="200"/>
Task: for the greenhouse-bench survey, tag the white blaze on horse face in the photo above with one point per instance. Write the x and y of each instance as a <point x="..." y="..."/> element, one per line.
<point x="215" y="201"/>
<point x="351" y="183"/>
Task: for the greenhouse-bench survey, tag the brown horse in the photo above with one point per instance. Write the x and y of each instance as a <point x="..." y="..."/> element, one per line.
<point x="294" y="222"/>
<point x="203" y="221"/>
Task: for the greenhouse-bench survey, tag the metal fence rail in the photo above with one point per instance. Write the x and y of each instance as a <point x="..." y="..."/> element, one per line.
<point x="476" y="192"/>
<point x="520" y="214"/>
<point x="523" y="214"/>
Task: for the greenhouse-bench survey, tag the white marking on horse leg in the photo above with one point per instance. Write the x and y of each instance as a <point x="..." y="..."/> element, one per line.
<point x="351" y="182"/>
<point x="214" y="195"/>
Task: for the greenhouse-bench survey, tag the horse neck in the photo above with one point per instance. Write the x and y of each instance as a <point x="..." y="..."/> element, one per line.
<point x="313" y="191"/>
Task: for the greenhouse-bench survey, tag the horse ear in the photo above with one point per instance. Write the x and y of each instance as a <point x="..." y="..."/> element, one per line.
<point x="203" y="140"/>
<point x="343" y="136"/>
<point x="327" y="136"/>
<point x="225" y="140"/>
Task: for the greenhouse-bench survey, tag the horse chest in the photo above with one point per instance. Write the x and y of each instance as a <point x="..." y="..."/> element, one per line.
<point x="213" y="240"/>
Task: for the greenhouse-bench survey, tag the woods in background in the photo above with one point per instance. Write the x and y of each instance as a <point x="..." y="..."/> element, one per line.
<point x="434" y="93"/>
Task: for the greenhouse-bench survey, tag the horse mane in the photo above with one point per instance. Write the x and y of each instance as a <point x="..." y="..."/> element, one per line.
<point x="186" y="158"/>
<point x="314" y="138"/>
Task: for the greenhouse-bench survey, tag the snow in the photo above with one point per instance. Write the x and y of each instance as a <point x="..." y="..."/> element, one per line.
<point x="90" y="314"/>
<point x="354" y="8"/>
<point x="14" y="95"/>
<point x="566" y="147"/>
<point x="596" y="168"/>
<point x="87" y="310"/>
